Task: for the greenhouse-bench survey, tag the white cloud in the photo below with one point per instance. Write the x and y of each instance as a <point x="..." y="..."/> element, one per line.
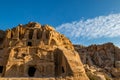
<point x="102" y="26"/>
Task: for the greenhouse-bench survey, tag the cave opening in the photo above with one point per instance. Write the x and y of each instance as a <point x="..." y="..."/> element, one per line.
<point x="31" y="71"/>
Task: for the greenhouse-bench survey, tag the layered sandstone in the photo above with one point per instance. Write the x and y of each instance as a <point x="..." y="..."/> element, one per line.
<point x="101" y="60"/>
<point x="38" y="51"/>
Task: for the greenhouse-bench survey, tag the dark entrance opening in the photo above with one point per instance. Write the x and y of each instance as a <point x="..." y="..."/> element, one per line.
<point x="29" y="44"/>
<point x="31" y="71"/>
<point x="1" y="69"/>
<point x="63" y="69"/>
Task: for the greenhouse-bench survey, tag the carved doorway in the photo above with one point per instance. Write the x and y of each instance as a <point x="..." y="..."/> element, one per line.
<point x="31" y="71"/>
<point x="60" y="63"/>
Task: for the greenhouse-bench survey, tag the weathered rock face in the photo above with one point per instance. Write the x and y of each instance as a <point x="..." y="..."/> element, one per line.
<point x="33" y="50"/>
<point x="104" y="58"/>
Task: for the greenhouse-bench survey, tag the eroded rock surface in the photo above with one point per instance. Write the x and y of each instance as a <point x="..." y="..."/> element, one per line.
<point x="101" y="59"/>
<point x="38" y="51"/>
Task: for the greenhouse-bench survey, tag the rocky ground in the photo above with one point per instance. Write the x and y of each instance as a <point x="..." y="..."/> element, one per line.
<point x="101" y="62"/>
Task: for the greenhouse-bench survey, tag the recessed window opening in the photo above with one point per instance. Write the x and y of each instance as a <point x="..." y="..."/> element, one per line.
<point x="23" y="55"/>
<point x="29" y="44"/>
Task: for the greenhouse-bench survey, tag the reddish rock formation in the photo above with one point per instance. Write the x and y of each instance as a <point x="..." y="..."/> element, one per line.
<point x="38" y="51"/>
<point x="104" y="58"/>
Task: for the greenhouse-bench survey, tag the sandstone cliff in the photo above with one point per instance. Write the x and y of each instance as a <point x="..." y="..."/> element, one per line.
<point x="101" y="61"/>
<point x="38" y="51"/>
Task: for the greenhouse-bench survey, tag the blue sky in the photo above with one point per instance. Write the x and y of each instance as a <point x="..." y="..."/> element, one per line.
<point x="82" y="21"/>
